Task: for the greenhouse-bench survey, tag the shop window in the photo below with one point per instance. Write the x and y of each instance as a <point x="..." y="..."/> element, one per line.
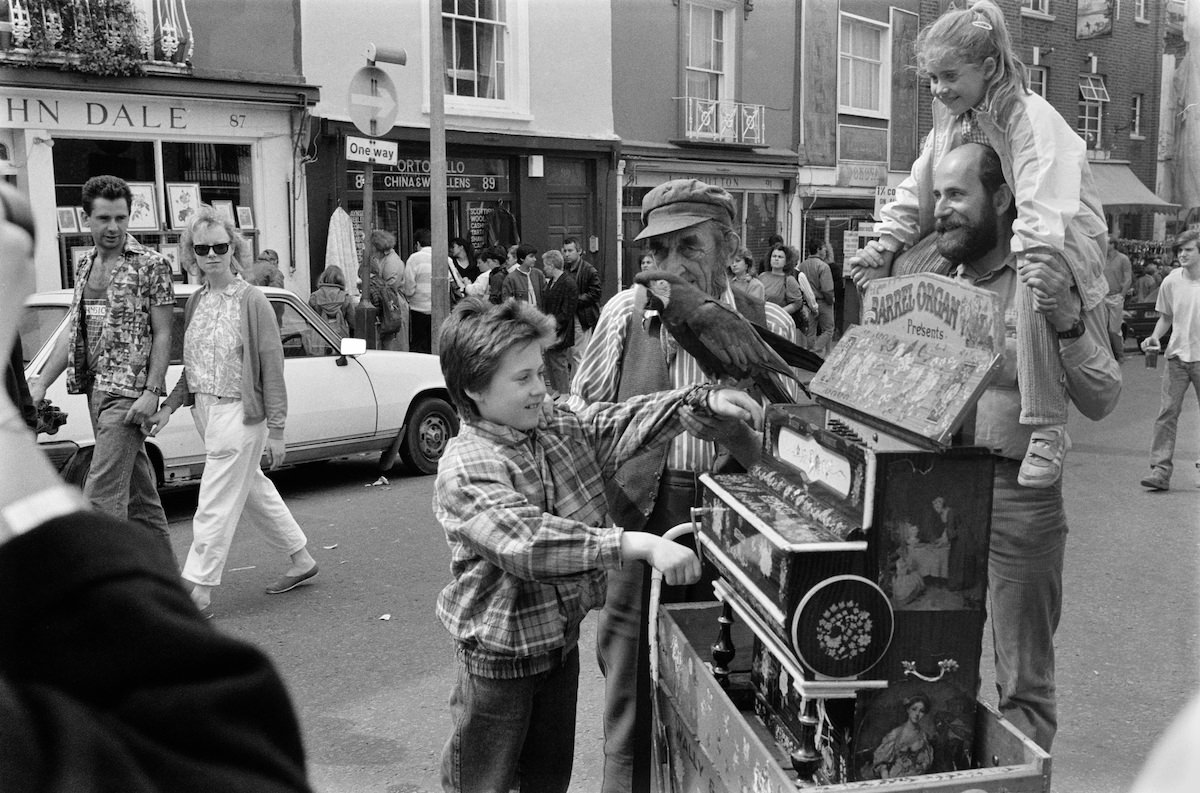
<point x="864" y="78"/>
<point x="761" y="221"/>
<point x="222" y="170"/>
<point x="161" y="175"/>
<point x="76" y="161"/>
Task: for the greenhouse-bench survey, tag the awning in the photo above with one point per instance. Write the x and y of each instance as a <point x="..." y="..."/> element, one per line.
<point x="1121" y="191"/>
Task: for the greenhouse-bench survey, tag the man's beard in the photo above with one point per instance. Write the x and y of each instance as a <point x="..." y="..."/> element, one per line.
<point x="963" y="242"/>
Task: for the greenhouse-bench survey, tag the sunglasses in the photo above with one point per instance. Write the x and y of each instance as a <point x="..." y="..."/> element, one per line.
<point x="221" y="248"/>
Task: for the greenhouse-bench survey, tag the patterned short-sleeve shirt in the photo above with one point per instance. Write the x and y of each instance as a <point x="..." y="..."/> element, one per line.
<point x="141" y="281"/>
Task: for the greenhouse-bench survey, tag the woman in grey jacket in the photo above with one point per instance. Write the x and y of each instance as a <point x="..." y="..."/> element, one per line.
<point x="233" y="379"/>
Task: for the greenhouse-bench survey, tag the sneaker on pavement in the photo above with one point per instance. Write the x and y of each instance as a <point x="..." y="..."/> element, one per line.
<point x="1157" y="481"/>
<point x="1043" y="463"/>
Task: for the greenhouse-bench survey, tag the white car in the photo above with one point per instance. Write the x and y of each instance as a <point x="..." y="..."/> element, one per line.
<point x="341" y="400"/>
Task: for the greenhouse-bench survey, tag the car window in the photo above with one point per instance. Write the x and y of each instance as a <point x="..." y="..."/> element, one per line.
<point x="37" y="324"/>
<point x="300" y="339"/>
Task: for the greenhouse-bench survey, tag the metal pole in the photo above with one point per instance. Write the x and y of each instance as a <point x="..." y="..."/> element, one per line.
<point x="437" y="174"/>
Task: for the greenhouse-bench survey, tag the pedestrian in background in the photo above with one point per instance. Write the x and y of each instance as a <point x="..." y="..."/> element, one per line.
<point x="331" y="302"/>
<point x="743" y="283"/>
<point x="525" y="282"/>
<point x="116" y="351"/>
<point x="816" y="270"/>
<point x="647" y="262"/>
<point x="786" y="288"/>
<point x="1118" y="273"/>
<point x="491" y="276"/>
<point x="587" y="281"/>
<point x="417" y="288"/>
<point x="391" y="266"/>
<point x="463" y="269"/>
<point x="1178" y="310"/>
<point x="233" y="379"/>
<point x="562" y="297"/>
<point x="265" y="271"/>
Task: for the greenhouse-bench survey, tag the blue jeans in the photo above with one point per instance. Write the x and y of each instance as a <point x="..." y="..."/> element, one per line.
<point x="1025" y="563"/>
<point x="1176" y="379"/>
<point x="510" y="733"/>
<point x="121" y="481"/>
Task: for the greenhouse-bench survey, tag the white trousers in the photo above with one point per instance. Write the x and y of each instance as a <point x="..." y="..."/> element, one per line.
<point x="233" y="486"/>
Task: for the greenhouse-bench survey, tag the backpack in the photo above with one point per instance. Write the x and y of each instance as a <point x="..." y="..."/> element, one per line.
<point x="391" y="307"/>
<point x="335" y="317"/>
<point x="330" y="305"/>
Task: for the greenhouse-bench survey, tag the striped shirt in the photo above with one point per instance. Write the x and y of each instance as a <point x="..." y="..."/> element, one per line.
<point x="527" y="523"/>
<point x="599" y="376"/>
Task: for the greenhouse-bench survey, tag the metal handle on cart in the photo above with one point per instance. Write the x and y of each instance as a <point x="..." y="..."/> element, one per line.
<point x="658" y="740"/>
<point x="946" y="665"/>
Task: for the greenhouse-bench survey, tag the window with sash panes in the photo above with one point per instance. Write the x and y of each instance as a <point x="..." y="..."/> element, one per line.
<point x="473" y="38"/>
<point x="1037" y="79"/>
<point x="709" y="46"/>
<point x="863" y="57"/>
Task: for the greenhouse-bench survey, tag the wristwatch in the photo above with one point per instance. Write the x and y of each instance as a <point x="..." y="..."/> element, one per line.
<point x="158" y="392"/>
<point x="1073" y="332"/>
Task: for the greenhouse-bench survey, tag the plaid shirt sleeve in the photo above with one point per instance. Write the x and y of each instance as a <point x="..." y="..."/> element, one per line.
<point x="617" y="431"/>
<point x="481" y="503"/>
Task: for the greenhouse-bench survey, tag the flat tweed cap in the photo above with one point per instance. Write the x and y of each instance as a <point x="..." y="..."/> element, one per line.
<point x="681" y="203"/>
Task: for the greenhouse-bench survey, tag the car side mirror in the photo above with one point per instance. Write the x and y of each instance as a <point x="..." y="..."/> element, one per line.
<point x="352" y="348"/>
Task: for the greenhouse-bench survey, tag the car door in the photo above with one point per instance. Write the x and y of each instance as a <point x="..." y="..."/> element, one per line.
<point x="328" y="404"/>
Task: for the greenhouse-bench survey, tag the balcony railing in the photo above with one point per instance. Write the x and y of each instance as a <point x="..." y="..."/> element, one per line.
<point x="103" y="37"/>
<point x="723" y="121"/>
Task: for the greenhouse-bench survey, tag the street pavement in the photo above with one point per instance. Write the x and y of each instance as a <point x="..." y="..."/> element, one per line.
<point x="370" y="668"/>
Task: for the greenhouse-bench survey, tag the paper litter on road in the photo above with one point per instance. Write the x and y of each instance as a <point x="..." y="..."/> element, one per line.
<point x="330" y="547"/>
<point x="240" y="569"/>
<point x="378" y="482"/>
<point x="386" y="617"/>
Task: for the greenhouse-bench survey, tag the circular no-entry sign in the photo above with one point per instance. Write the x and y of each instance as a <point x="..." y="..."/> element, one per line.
<point x="372" y="99"/>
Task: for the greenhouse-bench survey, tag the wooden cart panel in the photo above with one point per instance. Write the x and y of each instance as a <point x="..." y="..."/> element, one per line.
<point x="713" y="746"/>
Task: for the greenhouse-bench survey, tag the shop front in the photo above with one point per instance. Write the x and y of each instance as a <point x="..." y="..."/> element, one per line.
<point x="177" y="144"/>
<point x="761" y="194"/>
<point x="500" y="190"/>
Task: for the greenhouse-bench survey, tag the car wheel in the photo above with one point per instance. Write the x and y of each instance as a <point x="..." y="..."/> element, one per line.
<point x="430" y="427"/>
<point x="75" y="470"/>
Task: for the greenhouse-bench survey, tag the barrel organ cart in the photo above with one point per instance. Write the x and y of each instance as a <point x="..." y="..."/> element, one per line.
<point x="852" y="566"/>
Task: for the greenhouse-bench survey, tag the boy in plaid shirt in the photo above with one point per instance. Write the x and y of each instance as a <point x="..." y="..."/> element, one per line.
<point x="520" y="494"/>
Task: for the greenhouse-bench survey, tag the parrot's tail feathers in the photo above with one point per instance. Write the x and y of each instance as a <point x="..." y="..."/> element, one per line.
<point x="789" y="351"/>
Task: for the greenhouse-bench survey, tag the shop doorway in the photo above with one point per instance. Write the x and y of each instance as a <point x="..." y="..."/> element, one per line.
<point x="418" y="216"/>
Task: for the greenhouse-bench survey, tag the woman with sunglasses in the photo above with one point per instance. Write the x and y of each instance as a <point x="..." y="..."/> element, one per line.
<point x="233" y="379"/>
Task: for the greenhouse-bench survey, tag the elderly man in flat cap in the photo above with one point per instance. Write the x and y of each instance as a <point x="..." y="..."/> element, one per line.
<point x="689" y="230"/>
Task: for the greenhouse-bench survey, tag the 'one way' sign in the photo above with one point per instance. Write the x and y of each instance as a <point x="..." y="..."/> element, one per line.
<point x="384" y="152"/>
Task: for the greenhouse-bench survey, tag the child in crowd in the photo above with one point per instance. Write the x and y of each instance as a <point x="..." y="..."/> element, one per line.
<point x="983" y="97"/>
<point x="520" y="495"/>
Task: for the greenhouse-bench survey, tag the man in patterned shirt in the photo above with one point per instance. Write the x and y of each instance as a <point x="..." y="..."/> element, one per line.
<point x="689" y="229"/>
<point x="117" y="352"/>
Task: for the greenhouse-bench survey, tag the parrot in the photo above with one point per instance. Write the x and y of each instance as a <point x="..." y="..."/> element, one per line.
<point x="723" y="342"/>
